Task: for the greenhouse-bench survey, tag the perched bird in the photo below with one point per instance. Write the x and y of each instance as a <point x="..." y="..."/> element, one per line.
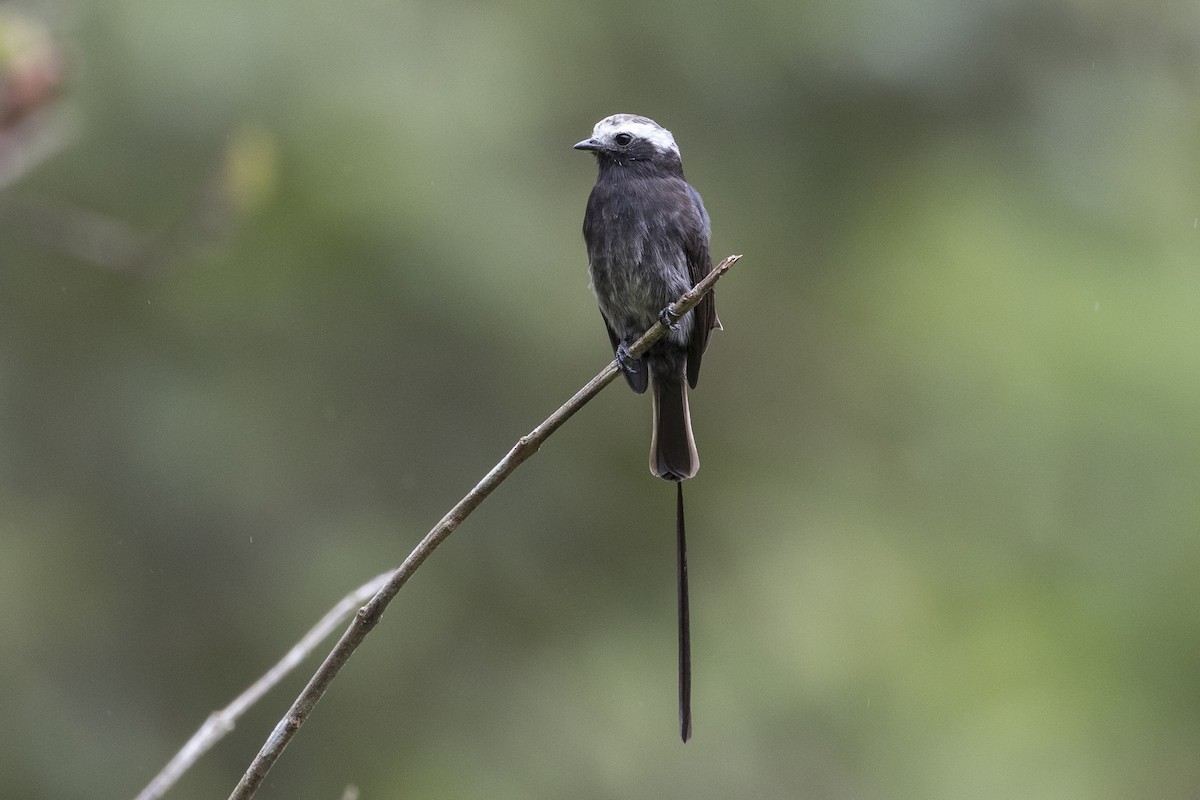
<point x="647" y="236"/>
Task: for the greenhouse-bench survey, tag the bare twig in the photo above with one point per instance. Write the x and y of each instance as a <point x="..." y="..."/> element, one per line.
<point x="30" y="142"/>
<point x="87" y="235"/>
<point x="219" y="723"/>
<point x="368" y="616"/>
<point x="237" y="181"/>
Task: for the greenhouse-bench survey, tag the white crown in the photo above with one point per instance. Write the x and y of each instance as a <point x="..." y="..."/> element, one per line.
<point x="638" y="127"/>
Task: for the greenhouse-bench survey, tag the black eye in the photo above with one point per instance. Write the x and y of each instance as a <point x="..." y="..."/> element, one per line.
<point x="622" y="139"/>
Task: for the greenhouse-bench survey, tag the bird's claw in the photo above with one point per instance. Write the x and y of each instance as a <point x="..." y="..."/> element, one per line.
<point x="670" y="320"/>
<point x="626" y="361"/>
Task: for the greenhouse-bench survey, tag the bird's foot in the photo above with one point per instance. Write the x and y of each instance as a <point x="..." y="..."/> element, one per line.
<point x="666" y="317"/>
<point x="626" y="361"/>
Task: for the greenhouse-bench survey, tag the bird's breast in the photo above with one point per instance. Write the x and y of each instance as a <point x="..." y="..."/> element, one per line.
<point x="636" y="255"/>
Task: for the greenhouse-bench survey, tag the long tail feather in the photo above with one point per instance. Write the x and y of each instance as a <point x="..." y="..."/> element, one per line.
<point x="685" y="635"/>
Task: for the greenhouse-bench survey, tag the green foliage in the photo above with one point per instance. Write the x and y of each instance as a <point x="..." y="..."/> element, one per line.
<point x="945" y="535"/>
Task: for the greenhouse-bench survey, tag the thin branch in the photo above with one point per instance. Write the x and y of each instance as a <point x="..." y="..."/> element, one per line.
<point x="30" y="142"/>
<point x="112" y="244"/>
<point x="219" y="202"/>
<point x="368" y="616"/>
<point x="220" y="723"/>
<point x="87" y="235"/>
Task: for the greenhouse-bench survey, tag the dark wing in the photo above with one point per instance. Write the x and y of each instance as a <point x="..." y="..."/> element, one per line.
<point x="699" y="261"/>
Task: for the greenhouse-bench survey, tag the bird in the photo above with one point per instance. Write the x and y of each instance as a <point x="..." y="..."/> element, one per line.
<point x="647" y="235"/>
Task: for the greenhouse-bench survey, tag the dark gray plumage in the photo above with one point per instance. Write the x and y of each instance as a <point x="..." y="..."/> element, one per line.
<point x="647" y="237"/>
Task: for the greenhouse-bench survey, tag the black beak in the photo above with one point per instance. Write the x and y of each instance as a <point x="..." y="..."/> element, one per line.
<point x="588" y="144"/>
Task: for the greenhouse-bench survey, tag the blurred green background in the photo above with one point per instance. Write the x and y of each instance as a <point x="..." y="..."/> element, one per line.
<point x="289" y="277"/>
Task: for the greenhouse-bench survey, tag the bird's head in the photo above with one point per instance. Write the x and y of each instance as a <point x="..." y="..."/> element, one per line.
<point x="627" y="139"/>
